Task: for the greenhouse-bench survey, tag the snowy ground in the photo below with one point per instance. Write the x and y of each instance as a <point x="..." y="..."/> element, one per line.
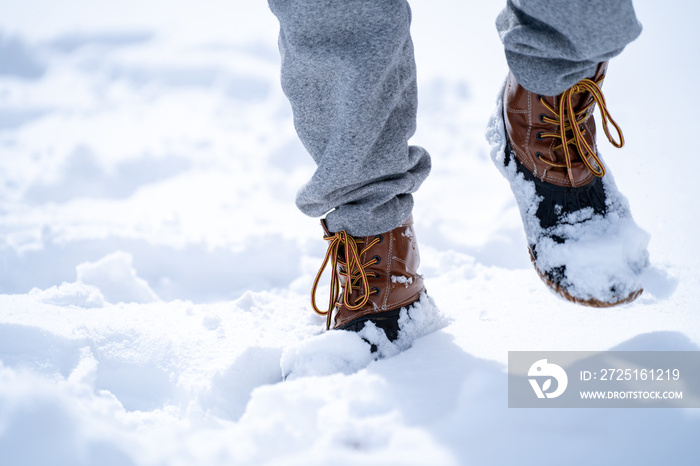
<point x="155" y="273"/>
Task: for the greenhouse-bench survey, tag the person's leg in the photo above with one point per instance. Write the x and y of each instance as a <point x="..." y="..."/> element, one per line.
<point x="349" y="73"/>
<point x="582" y="239"/>
<point x="551" y="45"/>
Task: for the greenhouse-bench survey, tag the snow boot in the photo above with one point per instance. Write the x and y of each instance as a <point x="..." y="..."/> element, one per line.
<point x="372" y="279"/>
<point x="582" y="239"/>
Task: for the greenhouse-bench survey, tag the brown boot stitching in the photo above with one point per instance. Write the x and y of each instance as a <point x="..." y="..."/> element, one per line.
<point x="387" y="271"/>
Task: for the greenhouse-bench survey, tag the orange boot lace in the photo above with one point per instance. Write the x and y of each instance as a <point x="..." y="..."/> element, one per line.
<point x="356" y="276"/>
<point x="571" y="123"/>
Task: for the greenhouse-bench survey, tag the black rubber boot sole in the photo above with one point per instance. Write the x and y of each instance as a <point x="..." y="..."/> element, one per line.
<point x="559" y="201"/>
<point x="388" y="321"/>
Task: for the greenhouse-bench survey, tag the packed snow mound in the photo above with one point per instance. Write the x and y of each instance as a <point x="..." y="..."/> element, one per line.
<point x="117" y="279"/>
<point x="346" y="352"/>
<point x="111" y="279"/>
<point x="601" y="257"/>
<point x="70" y="294"/>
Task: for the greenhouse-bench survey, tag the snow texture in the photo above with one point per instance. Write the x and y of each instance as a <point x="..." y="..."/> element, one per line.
<point x="347" y="352"/>
<point x="155" y="273"/>
<point x="401" y="279"/>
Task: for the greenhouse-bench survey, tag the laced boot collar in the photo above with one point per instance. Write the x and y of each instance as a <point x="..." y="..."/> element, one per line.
<point x="570" y="128"/>
<point x="348" y="272"/>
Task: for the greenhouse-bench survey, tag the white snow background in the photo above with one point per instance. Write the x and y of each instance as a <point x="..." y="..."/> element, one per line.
<point x="155" y="272"/>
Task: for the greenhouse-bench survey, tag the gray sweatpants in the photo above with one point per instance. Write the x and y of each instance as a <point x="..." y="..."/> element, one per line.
<point x="349" y="73"/>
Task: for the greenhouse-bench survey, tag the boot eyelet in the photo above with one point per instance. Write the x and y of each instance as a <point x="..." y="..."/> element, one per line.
<point x="372" y="291"/>
<point x="539" y="135"/>
<point x="540" y="97"/>
<point x="378" y="259"/>
<point x="539" y="155"/>
<point x="379" y="237"/>
<point x="542" y="117"/>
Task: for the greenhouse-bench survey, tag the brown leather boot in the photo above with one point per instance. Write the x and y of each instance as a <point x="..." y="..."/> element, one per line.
<point x="373" y="278"/>
<point x="552" y="142"/>
<point x="554" y="136"/>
